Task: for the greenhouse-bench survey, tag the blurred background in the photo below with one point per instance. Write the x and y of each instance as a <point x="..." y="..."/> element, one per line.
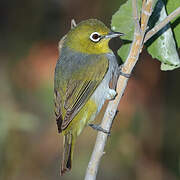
<point x="145" y="137"/>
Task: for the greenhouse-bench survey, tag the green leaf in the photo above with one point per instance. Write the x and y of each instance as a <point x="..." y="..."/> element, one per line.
<point x="175" y="23"/>
<point x="162" y="46"/>
<point x="122" y="21"/>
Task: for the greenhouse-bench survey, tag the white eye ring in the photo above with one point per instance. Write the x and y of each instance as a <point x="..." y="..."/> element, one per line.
<point x="95" y="37"/>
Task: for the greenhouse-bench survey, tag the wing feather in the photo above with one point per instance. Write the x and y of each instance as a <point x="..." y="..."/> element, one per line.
<point x="73" y="92"/>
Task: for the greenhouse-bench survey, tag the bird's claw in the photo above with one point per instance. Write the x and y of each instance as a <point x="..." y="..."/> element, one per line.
<point x="122" y="73"/>
<point x="99" y="128"/>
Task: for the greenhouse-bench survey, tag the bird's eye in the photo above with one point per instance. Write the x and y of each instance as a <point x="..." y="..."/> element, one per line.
<point x="95" y="37"/>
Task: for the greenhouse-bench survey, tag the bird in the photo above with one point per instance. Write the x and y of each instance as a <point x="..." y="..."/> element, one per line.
<point x="85" y="77"/>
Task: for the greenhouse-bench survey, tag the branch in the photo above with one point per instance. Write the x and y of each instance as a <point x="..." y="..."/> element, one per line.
<point x="135" y="16"/>
<point x="128" y="66"/>
<point x="159" y="26"/>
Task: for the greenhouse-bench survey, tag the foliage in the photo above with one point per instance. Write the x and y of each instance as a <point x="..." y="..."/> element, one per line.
<point x="161" y="46"/>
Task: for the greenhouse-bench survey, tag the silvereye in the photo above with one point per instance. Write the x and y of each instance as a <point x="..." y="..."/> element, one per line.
<point x="83" y="73"/>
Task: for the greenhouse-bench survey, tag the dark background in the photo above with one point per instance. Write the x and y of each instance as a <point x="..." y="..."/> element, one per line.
<point x="145" y="138"/>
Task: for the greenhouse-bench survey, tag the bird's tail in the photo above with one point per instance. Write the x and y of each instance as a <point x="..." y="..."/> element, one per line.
<point x="68" y="149"/>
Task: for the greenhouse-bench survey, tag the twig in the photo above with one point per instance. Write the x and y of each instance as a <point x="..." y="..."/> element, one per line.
<point x="146" y="13"/>
<point x="135" y="16"/>
<point x="159" y="26"/>
<point x="110" y="113"/>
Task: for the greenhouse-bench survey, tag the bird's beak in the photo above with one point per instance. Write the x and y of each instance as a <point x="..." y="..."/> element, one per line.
<point x="112" y="34"/>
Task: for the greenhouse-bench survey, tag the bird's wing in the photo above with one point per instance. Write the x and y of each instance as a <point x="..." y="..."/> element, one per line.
<point x="72" y="93"/>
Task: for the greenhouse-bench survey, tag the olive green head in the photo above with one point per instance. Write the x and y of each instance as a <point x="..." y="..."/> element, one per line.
<point x="90" y="37"/>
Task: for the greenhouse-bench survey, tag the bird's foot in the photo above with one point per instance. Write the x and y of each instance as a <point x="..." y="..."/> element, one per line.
<point x="111" y="94"/>
<point x="122" y="73"/>
<point x="99" y="128"/>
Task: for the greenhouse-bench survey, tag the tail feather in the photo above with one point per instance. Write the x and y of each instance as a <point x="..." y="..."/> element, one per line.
<point x="68" y="149"/>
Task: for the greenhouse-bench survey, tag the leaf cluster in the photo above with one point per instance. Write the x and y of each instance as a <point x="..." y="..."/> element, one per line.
<point x="164" y="44"/>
